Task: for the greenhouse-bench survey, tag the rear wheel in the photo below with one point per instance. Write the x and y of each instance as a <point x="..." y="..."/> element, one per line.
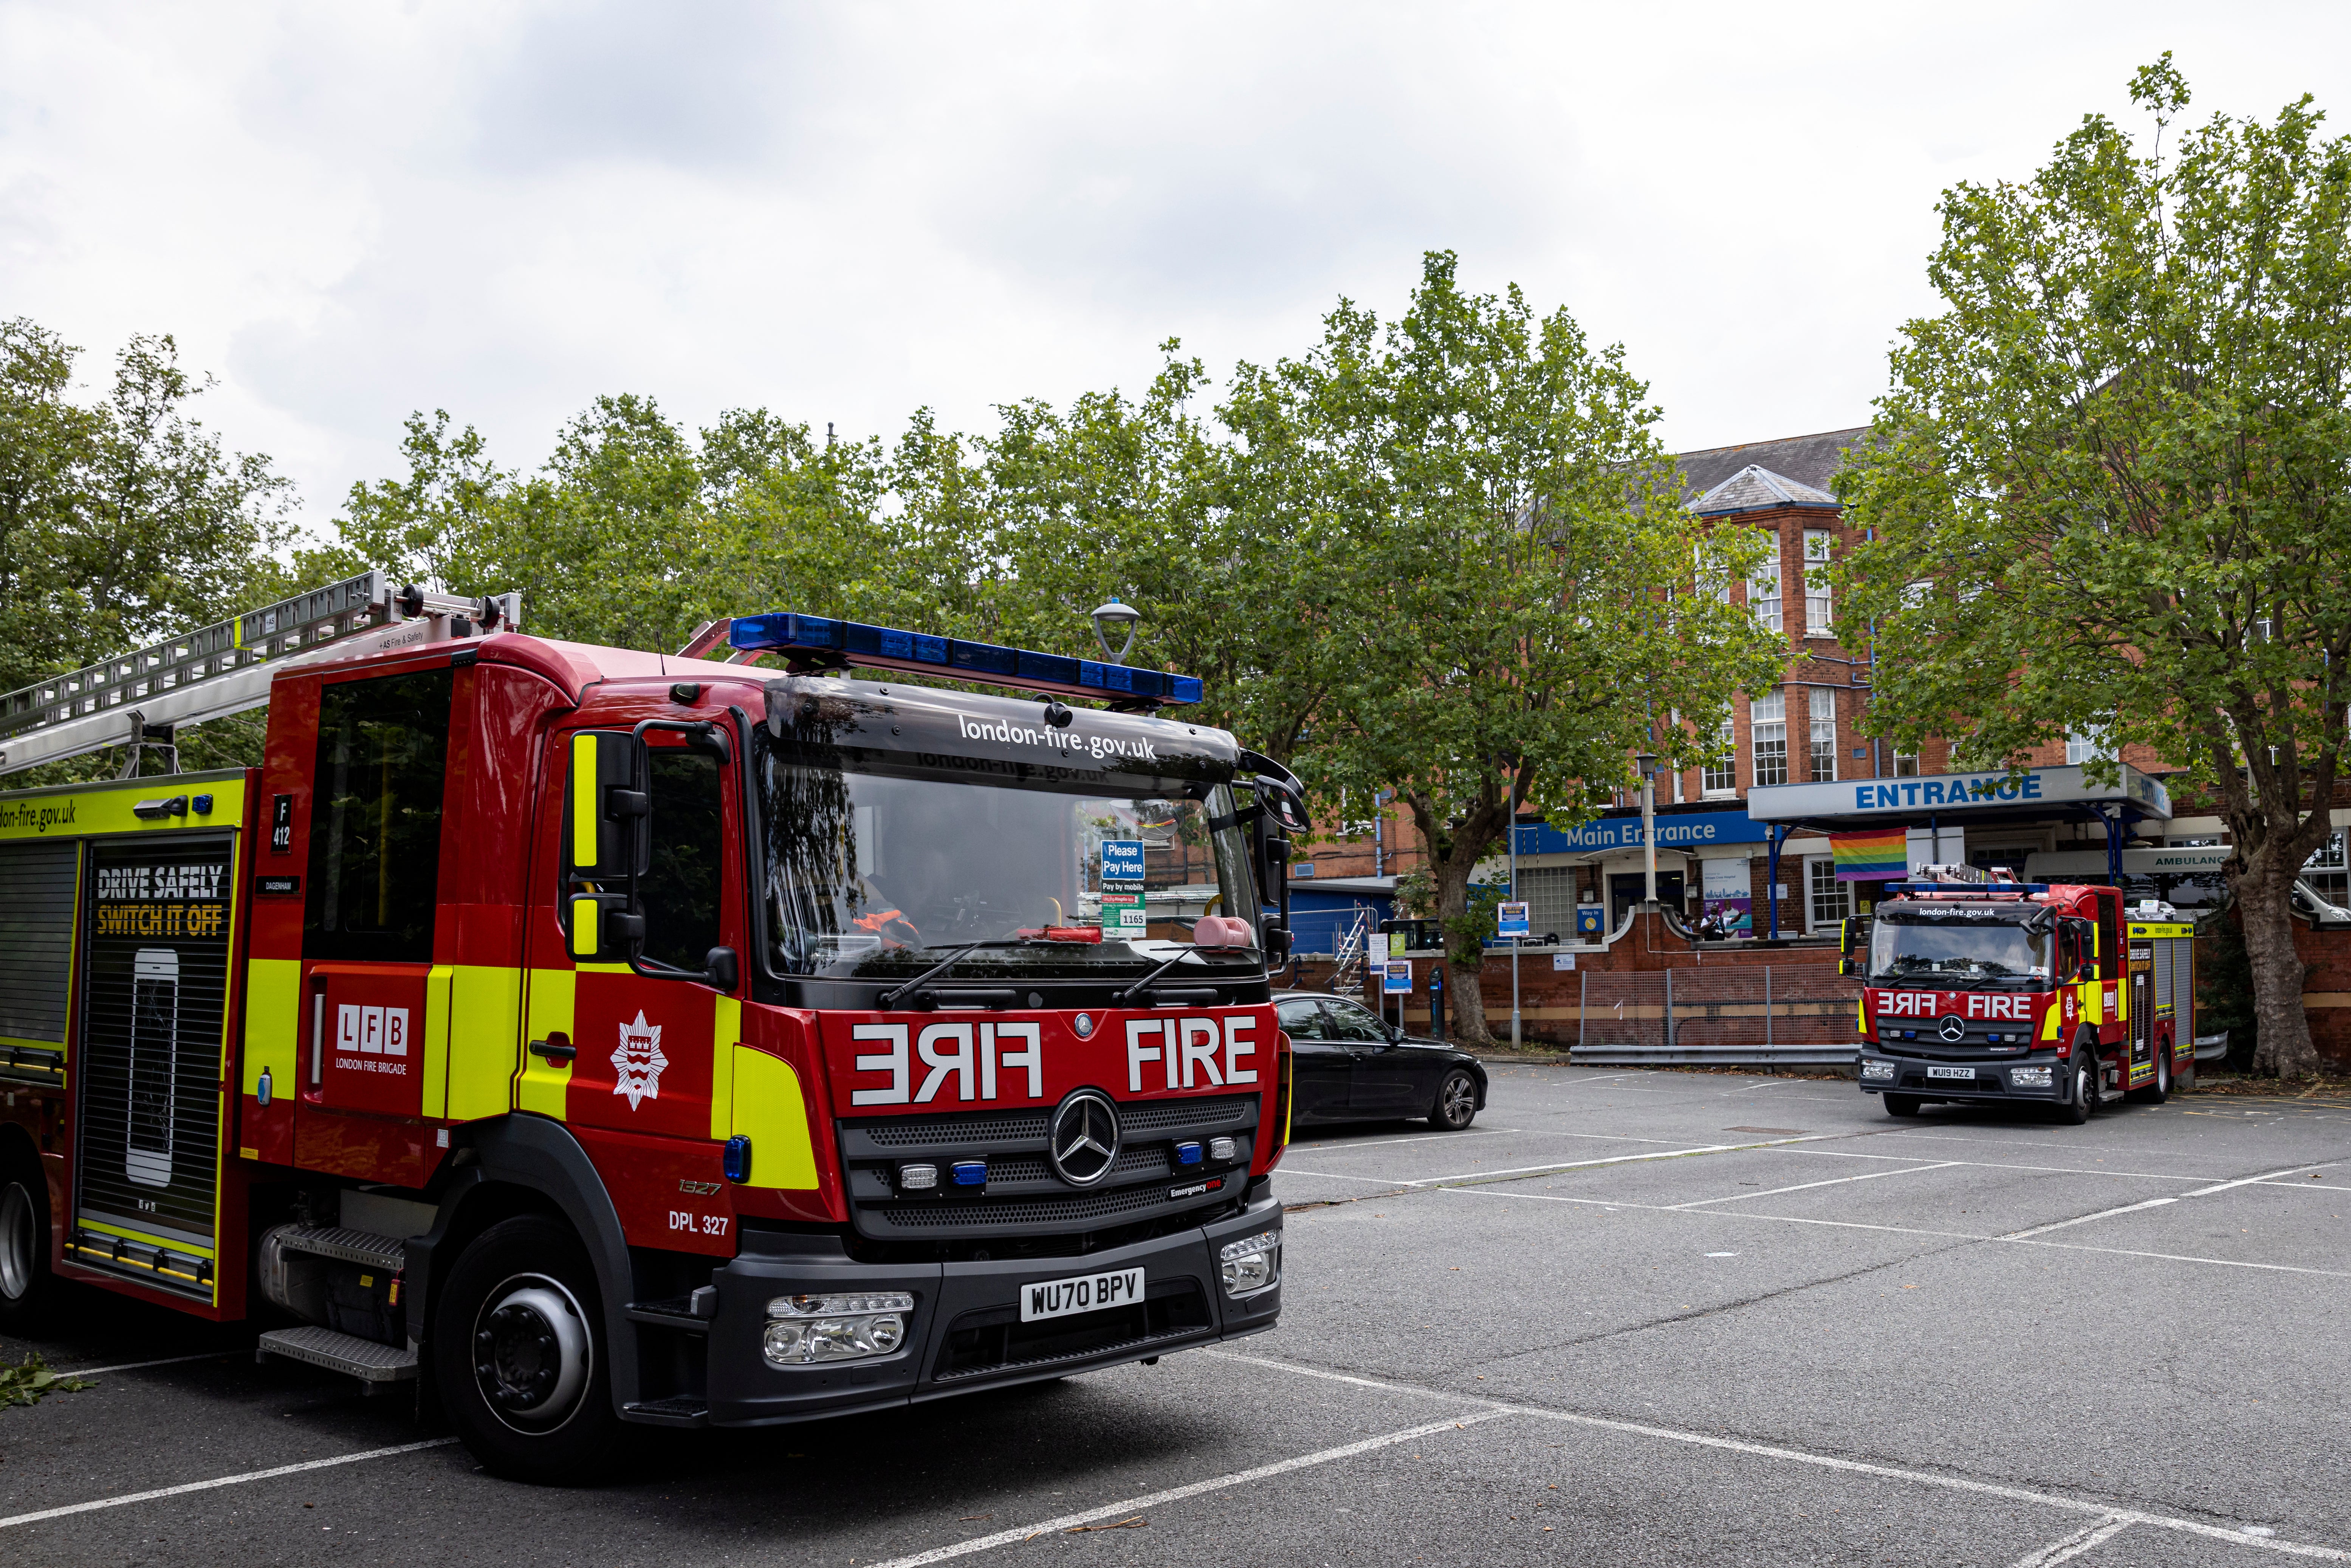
<point x="519" y="1354"/>
<point x="1901" y="1104"/>
<point x="1457" y="1102"/>
<point x="2157" y="1092"/>
<point x="28" y="1288"/>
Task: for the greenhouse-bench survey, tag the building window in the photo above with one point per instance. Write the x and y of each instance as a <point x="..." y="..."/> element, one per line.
<point x="2084" y="746"/>
<point x="1906" y="764"/>
<point x="1816" y="582"/>
<point x="1763" y="587"/>
<point x="1768" y="717"/>
<point x="1550" y="895"/>
<point x="2326" y="869"/>
<point x="1828" y="902"/>
<point x="1822" y="739"/>
<point x="1720" y="778"/>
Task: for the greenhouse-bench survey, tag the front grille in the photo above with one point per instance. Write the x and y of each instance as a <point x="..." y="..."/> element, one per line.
<point x="996" y="1340"/>
<point x="1023" y="1196"/>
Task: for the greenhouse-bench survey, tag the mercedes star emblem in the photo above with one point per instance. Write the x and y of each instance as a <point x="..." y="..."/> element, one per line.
<point x="1085" y="1137"/>
<point x="1952" y="1028"/>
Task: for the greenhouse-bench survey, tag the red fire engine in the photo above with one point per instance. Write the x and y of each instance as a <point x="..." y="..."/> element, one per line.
<point x="1987" y="990"/>
<point x="597" y="1035"/>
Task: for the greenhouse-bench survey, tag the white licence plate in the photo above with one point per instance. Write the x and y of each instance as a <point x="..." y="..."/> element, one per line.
<point x="1950" y="1072"/>
<point x="1079" y="1293"/>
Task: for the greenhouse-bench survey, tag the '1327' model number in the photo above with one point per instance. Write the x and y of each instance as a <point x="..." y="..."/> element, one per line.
<point x="700" y="1224"/>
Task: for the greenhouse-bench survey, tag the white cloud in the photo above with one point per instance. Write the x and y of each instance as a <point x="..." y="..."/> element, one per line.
<point x="844" y="212"/>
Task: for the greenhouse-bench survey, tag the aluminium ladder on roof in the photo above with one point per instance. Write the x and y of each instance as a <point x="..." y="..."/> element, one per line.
<point x="226" y="668"/>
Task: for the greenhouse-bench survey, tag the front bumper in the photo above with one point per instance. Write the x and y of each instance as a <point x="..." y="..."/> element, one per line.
<point x="1994" y="1080"/>
<point x="965" y="1331"/>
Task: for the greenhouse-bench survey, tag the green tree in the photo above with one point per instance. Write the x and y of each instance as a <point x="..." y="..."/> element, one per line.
<point x="2109" y="483"/>
<point x="125" y="520"/>
<point x="1504" y="616"/>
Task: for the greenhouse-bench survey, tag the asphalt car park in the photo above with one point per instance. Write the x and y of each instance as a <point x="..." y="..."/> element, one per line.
<point x="1625" y="1317"/>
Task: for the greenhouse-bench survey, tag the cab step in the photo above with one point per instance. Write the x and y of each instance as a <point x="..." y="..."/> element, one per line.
<point x="389" y="1253"/>
<point x="372" y="1362"/>
<point x="691" y="1313"/>
<point x="678" y="1410"/>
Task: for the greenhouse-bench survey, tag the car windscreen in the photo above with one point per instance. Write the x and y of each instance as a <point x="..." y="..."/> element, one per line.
<point x="881" y="860"/>
<point x="1959" y="948"/>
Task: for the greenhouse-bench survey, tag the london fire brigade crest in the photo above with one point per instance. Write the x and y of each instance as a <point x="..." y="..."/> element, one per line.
<point x="639" y="1061"/>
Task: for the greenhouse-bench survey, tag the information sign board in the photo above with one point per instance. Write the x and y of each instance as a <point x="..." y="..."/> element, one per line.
<point x="1513" y="920"/>
<point x="1122" y="859"/>
<point x="1397" y="982"/>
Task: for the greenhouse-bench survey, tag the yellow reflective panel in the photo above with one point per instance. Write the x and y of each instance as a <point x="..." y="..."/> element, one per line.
<point x="485" y="1030"/>
<point x="769" y="1109"/>
<point x="584" y="816"/>
<point x="725" y="1034"/>
<point x="543" y="1084"/>
<point x="584" y="938"/>
<point x="273" y="1024"/>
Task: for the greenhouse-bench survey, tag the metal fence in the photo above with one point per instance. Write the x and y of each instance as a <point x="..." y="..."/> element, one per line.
<point x="1723" y="1012"/>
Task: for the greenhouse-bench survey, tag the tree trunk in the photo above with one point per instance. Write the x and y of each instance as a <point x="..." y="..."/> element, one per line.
<point x="1467" y="979"/>
<point x="2264" y="902"/>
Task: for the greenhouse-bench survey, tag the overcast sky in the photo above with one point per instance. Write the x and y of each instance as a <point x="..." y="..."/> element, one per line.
<point x="844" y="212"/>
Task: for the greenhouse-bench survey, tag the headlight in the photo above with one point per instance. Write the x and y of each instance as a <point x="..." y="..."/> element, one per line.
<point x="1251" y="1264"/>
<point x="805" y="1329"/>
<point x="2030" y="1077"/>
<point x="1878" y="1069"/>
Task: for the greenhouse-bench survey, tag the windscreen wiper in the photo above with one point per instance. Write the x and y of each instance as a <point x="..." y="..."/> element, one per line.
<point x="891" y="998"/>
<point x="1126" y="997"/>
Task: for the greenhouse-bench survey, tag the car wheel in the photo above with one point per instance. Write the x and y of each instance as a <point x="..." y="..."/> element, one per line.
<point x="1901" y="1104"/>
<point x="28" y="1288"/>
<point x="2157" y="1092"/>
<point x="1457" y="1102"/>
<point x="519" y="1354"/>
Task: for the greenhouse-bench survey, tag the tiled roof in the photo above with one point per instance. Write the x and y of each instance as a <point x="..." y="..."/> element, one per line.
<point x="1754" y="488"/>
<point x="1809" y="460"/>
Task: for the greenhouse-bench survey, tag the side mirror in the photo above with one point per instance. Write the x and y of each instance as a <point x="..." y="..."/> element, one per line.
<point x="1847" y="929"/>
<point x="2089" y="972"/>
<point x="723" y="969"/>
<point x="604" y="839"/>
<point x="1277" y="947"/>
<point x="1845" y="967"/>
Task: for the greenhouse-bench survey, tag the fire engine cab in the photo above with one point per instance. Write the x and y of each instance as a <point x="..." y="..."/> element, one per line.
<point x="592" y="1036"/>
<point x="1976" y="986"/>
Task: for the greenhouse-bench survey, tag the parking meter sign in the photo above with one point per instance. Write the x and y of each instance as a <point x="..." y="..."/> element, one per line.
<point x="1122" y="859"/>
<point x="1398" y="981"/>
<point x="1512" y="921"/>
<point x="1123" y="914"/>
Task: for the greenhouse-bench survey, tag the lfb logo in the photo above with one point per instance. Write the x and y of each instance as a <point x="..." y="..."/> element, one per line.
<point x="639" y="1061"/>
<point x="2073" y="1008"/>
<point x="371" y="1031"/>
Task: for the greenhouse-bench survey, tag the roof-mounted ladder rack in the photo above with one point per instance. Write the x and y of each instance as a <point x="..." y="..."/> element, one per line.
<point x="140" y="698"/>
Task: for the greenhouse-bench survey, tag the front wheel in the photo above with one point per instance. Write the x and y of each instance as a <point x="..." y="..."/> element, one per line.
<point x="2083" y="1101"/>
<point x="1901" y="1104"/>
<point x="27" y="1289"/>
<point x="1457" y="1102"/>
<point x="519" y="1354"/>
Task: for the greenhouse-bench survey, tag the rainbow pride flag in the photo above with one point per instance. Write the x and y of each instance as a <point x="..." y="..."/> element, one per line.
<point x="1872" y="855"/>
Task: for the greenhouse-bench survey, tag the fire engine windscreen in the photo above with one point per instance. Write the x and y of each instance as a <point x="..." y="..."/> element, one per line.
<point x="1960" y="945"/>
<point x="883" y="858"/>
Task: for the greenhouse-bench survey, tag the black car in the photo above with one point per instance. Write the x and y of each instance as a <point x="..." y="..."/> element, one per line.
<point x="1350" y="1065"/>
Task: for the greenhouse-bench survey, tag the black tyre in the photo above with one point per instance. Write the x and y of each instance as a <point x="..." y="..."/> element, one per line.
<point x="28" y="1291"/>
<point x="2157" y="1092"/>
<point x="1901" y="1104"/>
<point x="1457" y="1102"/>
<point x="519" y="1354"/>
<point x="2082" y="1101"/>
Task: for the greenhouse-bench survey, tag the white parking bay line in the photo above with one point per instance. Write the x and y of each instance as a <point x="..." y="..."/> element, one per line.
<point x="136" y="1365"/>
<point x="1808" y="1185"/>
<point x="2073" y="1545"/>
<point x="2159" y="1202"/>
<point x="1176" y="1494"/>
<point x="186" y="1486"/>
<point x="1830" y="1462"/>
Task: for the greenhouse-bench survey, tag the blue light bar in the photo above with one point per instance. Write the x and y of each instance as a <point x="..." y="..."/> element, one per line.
<point x="885" y="648"/>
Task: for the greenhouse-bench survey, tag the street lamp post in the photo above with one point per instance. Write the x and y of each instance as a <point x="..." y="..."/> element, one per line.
<point x="1648" y="766"/>
<point x="1512" y="831"/>
<point x="1109" y="613"/>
